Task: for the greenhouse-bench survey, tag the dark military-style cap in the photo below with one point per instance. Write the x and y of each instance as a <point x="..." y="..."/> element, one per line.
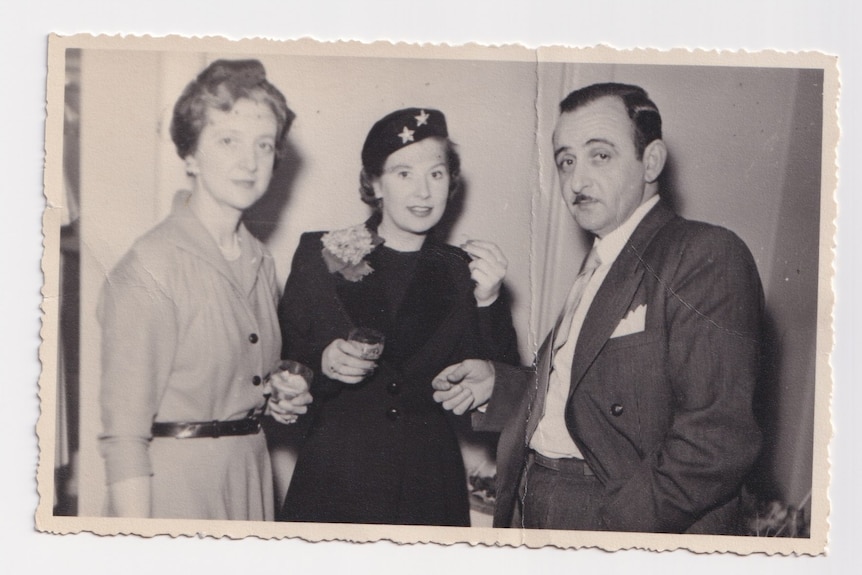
<point x="398" y="130"/>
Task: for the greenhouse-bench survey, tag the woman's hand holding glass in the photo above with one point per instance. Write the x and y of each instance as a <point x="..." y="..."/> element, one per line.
<point x="487" y="268"/>
<point x="343" y="361"/>
<point x="288" y="388"/>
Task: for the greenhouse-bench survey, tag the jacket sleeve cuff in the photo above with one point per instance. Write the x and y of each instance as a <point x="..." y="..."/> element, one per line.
<point x="509" y="385"/>
<point x="125" y="458"/>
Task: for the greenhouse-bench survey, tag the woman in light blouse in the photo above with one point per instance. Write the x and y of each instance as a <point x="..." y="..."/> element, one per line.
<point x="190" y="334"/>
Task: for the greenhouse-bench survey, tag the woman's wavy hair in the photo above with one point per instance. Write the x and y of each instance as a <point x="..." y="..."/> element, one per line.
<point x="219" y="86"/>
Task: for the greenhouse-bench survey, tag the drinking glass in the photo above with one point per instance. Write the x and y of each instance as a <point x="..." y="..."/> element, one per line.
<point x="294" y="368"/>
<point x="370" y="340"/>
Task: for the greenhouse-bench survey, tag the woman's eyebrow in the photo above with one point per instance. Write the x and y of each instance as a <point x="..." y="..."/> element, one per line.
<point x="397" y="167"/>
<point x="405" y="166"/>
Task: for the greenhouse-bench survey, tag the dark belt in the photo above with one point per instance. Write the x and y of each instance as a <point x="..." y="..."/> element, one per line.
<point x="190" y="429"/>
<point x="565" y="466"/>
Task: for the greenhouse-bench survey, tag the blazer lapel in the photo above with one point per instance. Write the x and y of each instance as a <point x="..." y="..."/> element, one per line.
<point x="616" y="293"/>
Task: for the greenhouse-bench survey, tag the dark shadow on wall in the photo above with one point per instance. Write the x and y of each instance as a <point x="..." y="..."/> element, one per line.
<point x="454" y="209"/>
<point x="762" y="482"/>
<point x="263" y="217"/>
<point x="771" y="507"/>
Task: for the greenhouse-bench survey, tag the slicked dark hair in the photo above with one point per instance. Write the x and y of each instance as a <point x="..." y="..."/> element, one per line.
<point x="646" y="119"/>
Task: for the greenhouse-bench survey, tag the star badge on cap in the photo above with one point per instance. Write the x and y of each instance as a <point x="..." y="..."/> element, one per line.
<point x="399" y="129"/>
<point x="422" y="118"/>
<point x="406" y="135"/>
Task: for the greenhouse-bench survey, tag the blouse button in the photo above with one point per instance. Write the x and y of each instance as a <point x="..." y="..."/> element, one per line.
<point x="255" y="380"/>
<point x="393" y="387"/>
<point x="616" y="410"/>
<point x="393" y="414"/>
<point x="253" y="338"/>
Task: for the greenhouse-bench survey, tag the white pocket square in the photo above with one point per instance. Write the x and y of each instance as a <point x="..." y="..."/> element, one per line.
<point x="632" y="323"/>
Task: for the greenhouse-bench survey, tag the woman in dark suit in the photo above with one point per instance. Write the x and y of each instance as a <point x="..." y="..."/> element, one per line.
<point x="378" y="448"/>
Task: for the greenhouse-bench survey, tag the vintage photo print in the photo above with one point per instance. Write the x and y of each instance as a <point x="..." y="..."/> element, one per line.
<point x="567" y="297"/>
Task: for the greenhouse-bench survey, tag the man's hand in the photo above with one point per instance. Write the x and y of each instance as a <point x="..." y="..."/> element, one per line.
<point x="464" y="386"/>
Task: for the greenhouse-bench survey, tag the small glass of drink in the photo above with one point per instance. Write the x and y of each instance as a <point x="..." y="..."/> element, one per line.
<point x="294" y="368"/>
<point x="370" y="340"/>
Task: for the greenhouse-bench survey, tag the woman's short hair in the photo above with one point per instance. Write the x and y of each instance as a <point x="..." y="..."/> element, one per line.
<point x="219" y="86"/>
<point x="398" y="130"/>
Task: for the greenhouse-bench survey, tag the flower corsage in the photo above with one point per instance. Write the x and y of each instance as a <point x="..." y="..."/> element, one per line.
<point x="344" y="251"/>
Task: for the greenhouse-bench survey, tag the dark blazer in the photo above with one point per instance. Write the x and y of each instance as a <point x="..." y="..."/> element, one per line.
<point x="382" y="451"/>
<point x="663" y="417"/>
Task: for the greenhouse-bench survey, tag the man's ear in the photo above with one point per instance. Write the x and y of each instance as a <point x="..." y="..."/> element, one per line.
<point x="655" y="155"/>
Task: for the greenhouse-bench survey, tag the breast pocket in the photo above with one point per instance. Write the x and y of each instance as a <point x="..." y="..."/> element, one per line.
<point x="640" y="339"/>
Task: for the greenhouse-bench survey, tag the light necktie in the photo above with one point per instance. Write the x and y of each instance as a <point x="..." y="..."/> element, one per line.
<point x="560" y="335"/>
<point x="564" y="326"/>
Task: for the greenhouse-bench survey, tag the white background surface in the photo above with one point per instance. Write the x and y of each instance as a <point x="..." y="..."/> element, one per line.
<point x="731" y="24"/>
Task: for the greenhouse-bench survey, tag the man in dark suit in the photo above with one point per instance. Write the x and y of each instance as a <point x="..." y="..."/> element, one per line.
<point x="638" y="416"/>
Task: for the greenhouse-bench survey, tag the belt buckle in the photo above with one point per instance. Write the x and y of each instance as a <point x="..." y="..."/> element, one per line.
<point x="188" y="430"/>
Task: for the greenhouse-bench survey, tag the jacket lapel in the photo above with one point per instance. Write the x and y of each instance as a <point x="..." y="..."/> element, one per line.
<point x="616" y="293"/>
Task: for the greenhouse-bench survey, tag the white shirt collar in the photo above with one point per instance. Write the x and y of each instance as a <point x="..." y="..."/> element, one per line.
<point x="610" y="246"/>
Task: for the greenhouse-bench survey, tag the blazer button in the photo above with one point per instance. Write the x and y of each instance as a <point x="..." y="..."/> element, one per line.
<point x="617" y="410"/>
<point x="253" y="338"/>
<point x="255" y="380"/>
<point x="392" y="414"/>
<point x="393" y="387"/>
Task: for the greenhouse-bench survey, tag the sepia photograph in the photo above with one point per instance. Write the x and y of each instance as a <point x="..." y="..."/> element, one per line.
<point x="365" y="292"/>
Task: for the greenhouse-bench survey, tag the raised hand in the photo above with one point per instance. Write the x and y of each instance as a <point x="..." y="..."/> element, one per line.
<point x="487" y="269"/>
